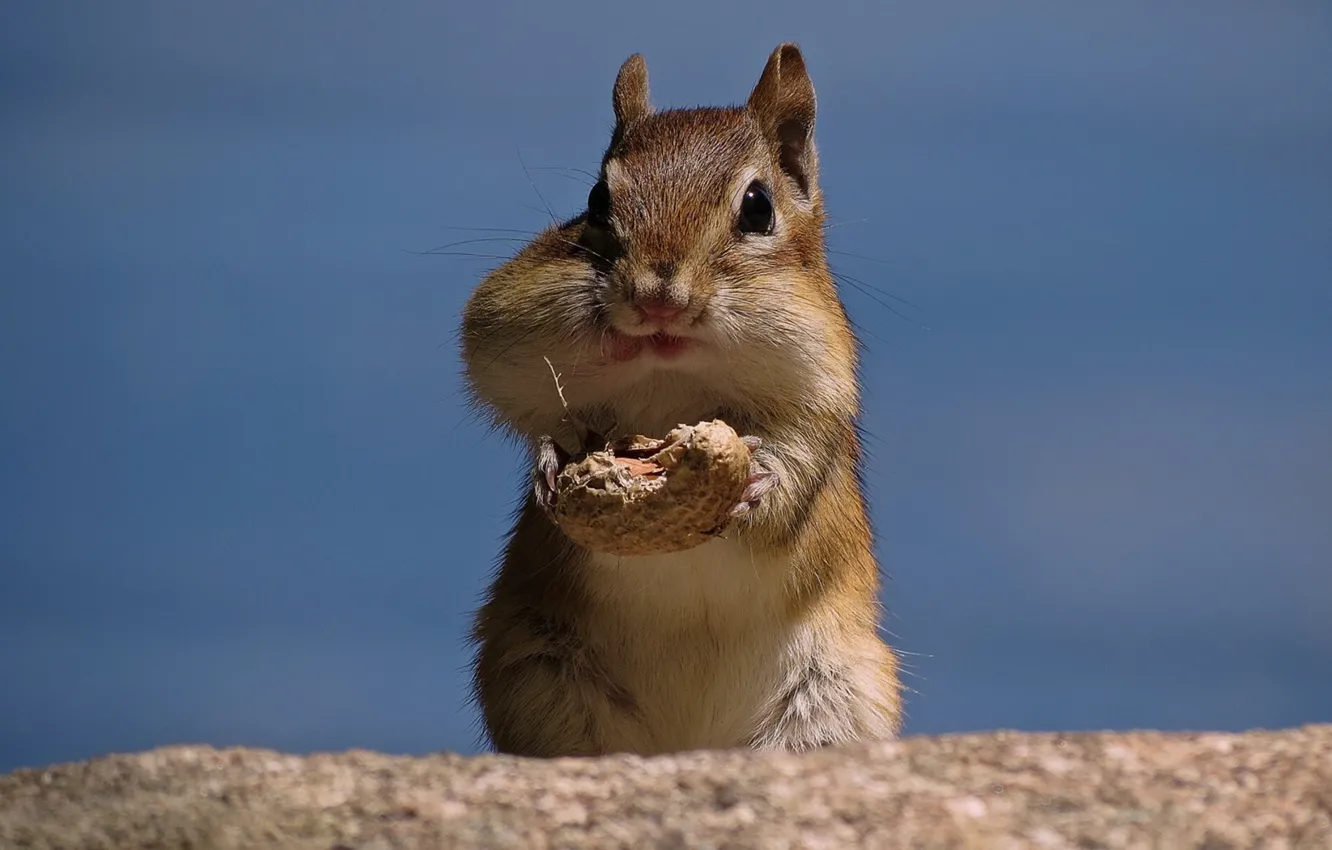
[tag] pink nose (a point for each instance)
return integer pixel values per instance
(656, 310)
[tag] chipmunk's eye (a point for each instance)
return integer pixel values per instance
(756, 210)
(599, 204)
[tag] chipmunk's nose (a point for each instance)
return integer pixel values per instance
(658, 310)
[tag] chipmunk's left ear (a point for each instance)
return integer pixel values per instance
(631, 98)
(783, 103)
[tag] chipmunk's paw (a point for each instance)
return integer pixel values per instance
(761, 481)
(550, 460)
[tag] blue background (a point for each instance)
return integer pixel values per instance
(242, 503)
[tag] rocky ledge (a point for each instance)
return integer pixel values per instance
(999, 790)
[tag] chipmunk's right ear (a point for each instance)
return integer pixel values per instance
(783, 103)
(631, 91)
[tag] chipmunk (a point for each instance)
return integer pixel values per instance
(694, 286)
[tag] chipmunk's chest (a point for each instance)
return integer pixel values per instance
(699, 638)
(723, 583)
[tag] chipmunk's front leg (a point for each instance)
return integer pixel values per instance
(789, 477)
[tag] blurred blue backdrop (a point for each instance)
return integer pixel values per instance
(242, 503)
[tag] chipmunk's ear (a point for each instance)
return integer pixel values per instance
(783, 104)
(630, 97)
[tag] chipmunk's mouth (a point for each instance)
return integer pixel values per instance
(621, 347)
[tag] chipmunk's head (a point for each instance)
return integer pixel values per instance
(699, 214)
(697, 271)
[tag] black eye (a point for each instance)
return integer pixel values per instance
(599, 204)
(756, 210)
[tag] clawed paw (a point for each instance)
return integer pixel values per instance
(761, 481)
(550, 460)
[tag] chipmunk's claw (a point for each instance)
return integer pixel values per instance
(550, 459)
(761, 481)
(760, 484)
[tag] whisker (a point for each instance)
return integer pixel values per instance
(577, 178)
(550, 212)
(899, 299)
(583, 171)
(547, 210)
(870, 295)
(491, 230)
(572, 244)
(474, 242)
(468, 254)
(863, 329)
(859, 257)
(829, 225)
(580, 181)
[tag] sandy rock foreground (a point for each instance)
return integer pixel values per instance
(1001, 790)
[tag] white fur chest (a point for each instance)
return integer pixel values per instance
(722, 580)
(700, 638)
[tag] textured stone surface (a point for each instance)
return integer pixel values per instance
(993, 791)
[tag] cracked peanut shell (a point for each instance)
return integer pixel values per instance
(645, 496)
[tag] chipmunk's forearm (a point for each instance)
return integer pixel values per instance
(813, 464)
